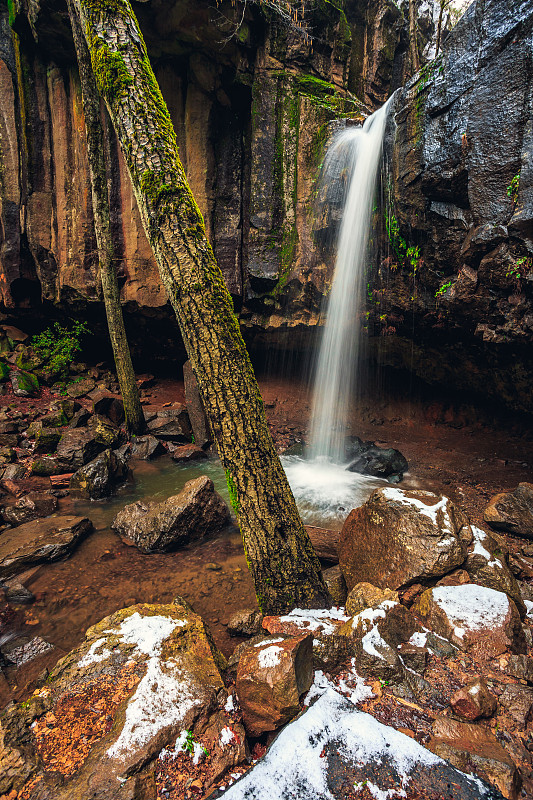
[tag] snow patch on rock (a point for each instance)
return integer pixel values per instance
(471, 607)
(161, 697)
(316, 619)
(428, 510)
(269, 657)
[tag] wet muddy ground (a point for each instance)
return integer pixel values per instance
(468, 463)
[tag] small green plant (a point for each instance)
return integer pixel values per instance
(189, 744)
(520, 267)
(443, 289)
(403, 252)
(58, 345)
(512, 189)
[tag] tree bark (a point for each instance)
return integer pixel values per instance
(443, 4)
(284, 566)
(413, 37)
(96, 149)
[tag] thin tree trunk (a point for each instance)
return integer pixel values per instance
(96, 149)
(413, 37)
(439, 26)
(284, 566)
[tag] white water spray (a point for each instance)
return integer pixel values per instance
(357, 151)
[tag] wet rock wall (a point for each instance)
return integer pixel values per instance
(458, 308)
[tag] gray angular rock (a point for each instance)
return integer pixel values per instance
(245, 623)
(147, 447)
(77, 447)
(195, 512)
(101, 476)
(171, 423)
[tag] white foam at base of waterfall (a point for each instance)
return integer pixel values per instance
(325, 492)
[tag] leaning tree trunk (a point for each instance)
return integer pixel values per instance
(284, 566)
(413, 36)
(96, 149)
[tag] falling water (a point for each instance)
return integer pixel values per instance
(357, 152)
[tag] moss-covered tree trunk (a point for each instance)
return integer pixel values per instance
(96, 149)
(413, 35)
(284, 566)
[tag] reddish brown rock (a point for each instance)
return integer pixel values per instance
(512, 511)
(188, 452)
(474, 700)
(472, 748)
(398, 537)
(474, 618)
(456, 578)
(330, 648)
(325, 543)
(271, 677)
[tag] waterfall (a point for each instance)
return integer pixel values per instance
(356, 154)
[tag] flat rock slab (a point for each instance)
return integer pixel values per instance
(398, 537)
(336, 751)
(40, 541)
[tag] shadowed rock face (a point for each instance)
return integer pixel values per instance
(462, 191)
(250, 103)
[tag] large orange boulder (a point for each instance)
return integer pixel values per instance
(399, 537)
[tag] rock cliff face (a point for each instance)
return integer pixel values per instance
(252, 97)
(460, 307)
(250, 94)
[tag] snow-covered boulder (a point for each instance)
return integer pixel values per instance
(334, 751)
(144, 679)
(474, 618)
